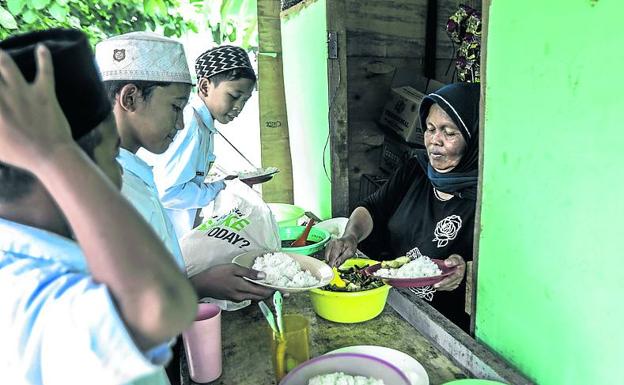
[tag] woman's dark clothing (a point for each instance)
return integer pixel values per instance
(407, 214)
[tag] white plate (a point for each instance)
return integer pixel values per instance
(258, 173)
(412, 368)
(335, 226)
(317, 268)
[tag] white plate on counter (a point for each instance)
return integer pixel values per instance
(412, 368)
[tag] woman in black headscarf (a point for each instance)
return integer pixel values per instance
(428, 205)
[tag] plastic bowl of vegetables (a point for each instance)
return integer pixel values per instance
(355, 297)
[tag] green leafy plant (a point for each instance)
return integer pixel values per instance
(229, 21)
(98, 18)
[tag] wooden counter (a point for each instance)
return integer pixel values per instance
(246, 343)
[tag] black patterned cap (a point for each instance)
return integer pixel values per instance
(78, 86)
(221, 59)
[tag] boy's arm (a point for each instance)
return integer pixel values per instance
(154, 298)
(175, 175)
(190, 195)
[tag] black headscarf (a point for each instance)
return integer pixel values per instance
(461, 102)
(77, 82)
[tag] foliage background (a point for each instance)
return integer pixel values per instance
(198, 24)
(228, 21)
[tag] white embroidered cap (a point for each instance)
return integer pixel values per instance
(142, 56)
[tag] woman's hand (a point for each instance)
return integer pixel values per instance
(32, 123)
(341, 249)
(452, 281)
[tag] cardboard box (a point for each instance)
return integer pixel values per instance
(401, 114)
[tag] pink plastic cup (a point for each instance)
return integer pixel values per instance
(202, 344)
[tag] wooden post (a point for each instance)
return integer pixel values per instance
(275, 148)
(338, 125)
(477, 229)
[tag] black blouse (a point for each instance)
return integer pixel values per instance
(408, 214)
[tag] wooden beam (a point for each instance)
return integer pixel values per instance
(472, 356)
(275, 148)
(338, 123)
(431, 38)
(477, 228)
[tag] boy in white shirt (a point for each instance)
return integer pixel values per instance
(225, 82)
(148, 82)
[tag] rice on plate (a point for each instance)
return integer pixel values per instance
(419, 267)
(282, 270)
(340, 378)
(257, 172)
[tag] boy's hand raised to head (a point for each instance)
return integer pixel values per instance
(32, 123)
(154, 299)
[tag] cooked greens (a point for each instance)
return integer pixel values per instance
(355, 280)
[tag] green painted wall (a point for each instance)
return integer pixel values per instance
(551, 261)
(304, 45)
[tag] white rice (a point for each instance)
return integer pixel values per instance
(282, 270)
(340, 378)
(417, 268)
(257, 172)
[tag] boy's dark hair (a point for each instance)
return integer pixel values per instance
(113, 87)
(15, 182)
(233, 74)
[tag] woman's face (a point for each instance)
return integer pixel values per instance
(443, 140)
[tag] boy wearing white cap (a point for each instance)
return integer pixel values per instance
(225, 82)
(148, 82)
(148, 112)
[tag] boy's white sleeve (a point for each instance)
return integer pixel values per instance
(191, 195)
(80, 334)
(179, 186)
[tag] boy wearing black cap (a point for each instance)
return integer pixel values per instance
(225, 82)
(102, 308)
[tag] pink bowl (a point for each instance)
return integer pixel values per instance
(414, 282)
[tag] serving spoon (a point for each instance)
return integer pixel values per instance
(301, 241)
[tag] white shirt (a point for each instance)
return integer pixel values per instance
(179, 173)
(57, 325)
(139, 188)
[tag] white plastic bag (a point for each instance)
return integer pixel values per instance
(239, 221)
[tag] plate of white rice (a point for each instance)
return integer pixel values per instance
(346, 368)
(419, 272)
(413, 369)
(259, 175)
(287, 272)
(340, 378)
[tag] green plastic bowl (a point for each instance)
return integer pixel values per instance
(290, 233)
(285, 214)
